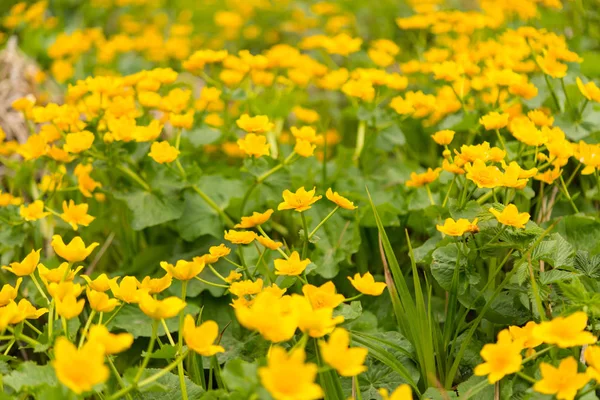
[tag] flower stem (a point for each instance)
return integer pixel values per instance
(211, 283)
(86, 328)
(213, 205)
(39, 288)
(166, 328)
(114, 314)
(305, 229)
(127, 171)
(360, 141)
(322, 222)
(180, 371)
(148, 352)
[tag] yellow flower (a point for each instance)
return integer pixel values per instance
(100, 302)
(540, 118)
(482, 175)
(62, 273)
(304, 148)
(79, 370)
(590, 91)
(201, 338)
(339, 200)
(26, 310)
(59, 290)
(565, 331)
(112, 343)
(443, 138)
(184, 270)
(324, 296)
(247, 287)
(240, 237)
(337, 353)
(161, 309)
(182, 120)
(271, 315)
(254, 145)
(255, 219)
(306, 115)
(402, 392)
(316, 323)
(233, 276)
(525, 335)
(27, 266)
(268, 242)
(287, 377)
(155, 285)
(69, 307)
(362, 89)
(459, 227)
(551, 66)
(524, 130)
(76, 214)
(563, 382)
(299, 201)
(501, 358)
(102, 282)
(305, 133)
(73, 252)
(510, 216)
(127, 290)
(9, 293)
(163, 152)
(494, 120)
(592, 359)
(366, 284)
(7, 314)
(293, 266)
(418, 180)
(33, 211)
(257, 124)
(78, 142)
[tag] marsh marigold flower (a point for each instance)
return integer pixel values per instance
(184, 270)
(402, 392)
(78, 142)
(316, 323)
(510, 216)
(255, 219)
(73, 252)
(494, 120)
(27, 266)
(69, 307)
(458, 228)
(340, 201)
(112, 343)
(201, 339)
(361, 89)
(501, 358)
(163, 152)
(288, 377)
(337, 353)
(161, 309)
(257, 124)
(101, 283)
(418, 180)
(156, 285)
(33, 211)
(293, 266)
(484, 176)
(79, 369)
(323, 296)
(268, 242)
(443, 138)
(589, 90)
(592, 359)
(9, 293)
(563, 382)
(76, 214)
(127, 290)
(565, 331)
(304, 148)
(299, 201)
(100, 302)
(63, 272)
(240, 237)
(254, 145)
(366, 284)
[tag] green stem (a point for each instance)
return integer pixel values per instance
(211, 283)
(564, 88)
(429, 195)
(180, 371)
(305, 229)
(148, 353)
(29, 324)
(360, 141)
(86, 328)
(568, 195)
(323, 221)
(168, 333)
(358, 296)
(114, 314)
(117, 375)
(39, 288)
(213, 205)
(448, 192)
(136, 178)
(526, 377)
(217, 273)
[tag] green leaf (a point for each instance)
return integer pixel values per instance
(201, 136)
(556, 251)
(149, 209)
(349, 311)
(240, 375)
(134, 321)
(556, 275)
(198, 219)
(476, 387)
(30, 375)
(582, 232)
(167, 387)
(433, 393)
(590, 266)
(443, 264)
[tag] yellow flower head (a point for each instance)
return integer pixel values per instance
(459, 227)
(78, 142)
(163, 152)
(245, 288)
(293, 266)
(255, 219)
(443, 138)
(112, 343)
(184, 270)
(510, 216)
(76, 214)
(592, 359)
(33, 211)
(100, 302)
(240, 237)
(257, 124)
(25, 310)
(340, 201)
(589, 90)
(484, 176)
(366, 284)
(304, 148)
(79, 369)
(305, 115)
(62, 273)
(305, 133)
(73, 252)
(299, 201)
(161, 309)
(274, 317)
(494, 120)
(337, 353)
(254, 145)
(27, 266)
(127, 290)
(565, 331)
(323, 296)
(287, 376)
(102, 282)
(233, 276)
(9, 293)
(501, 358)
(201, 339)
(418, 180)
(402, 392)
(69, 307)
(268, 242)
(525, 335)
(316, 323)
(155, 285)
(563, 382)
(59, 290)
(182, 120)
(362, 89)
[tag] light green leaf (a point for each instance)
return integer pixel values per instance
(30, 375)
(149, 209)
